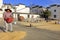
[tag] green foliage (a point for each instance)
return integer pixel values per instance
(47, 13)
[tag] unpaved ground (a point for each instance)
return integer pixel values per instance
(38, 31)
(44, 25)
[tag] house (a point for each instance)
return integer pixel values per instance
(18, 10)
(55, 11)
(1, 11)
(36, 9)
(28, 12)
(21, 10)
(1, 3)
(24, 11)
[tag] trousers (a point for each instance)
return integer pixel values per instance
(8, 26)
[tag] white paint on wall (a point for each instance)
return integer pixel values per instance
(1, 3)
(24, 10)
(34, 16)
(1, 15)
(57, 13)
(24, 15)
(20, 7)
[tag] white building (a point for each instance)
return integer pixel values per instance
(22, 10)
(1, 3)
(37, 10)
(55, 11)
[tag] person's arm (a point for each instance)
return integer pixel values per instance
(11, 15)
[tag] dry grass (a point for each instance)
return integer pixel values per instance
(44, 25)
(18, 35)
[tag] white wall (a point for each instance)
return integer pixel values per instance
(57, 13)
(1, 3)
(24, 15)
(1, 15)
(34, 16)
(24, 10)
(36, 10)
(20, 7)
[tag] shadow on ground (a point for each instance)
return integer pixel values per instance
(2, 28)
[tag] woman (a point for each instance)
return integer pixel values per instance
(7, 14)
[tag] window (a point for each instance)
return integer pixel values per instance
(54, 10)
(54, 16)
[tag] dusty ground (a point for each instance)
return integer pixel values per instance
(44, 25)
(39, 31)
(17, 35)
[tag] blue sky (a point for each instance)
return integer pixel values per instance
(34, 2)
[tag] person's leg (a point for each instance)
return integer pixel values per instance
(10, 27)
(6, 26)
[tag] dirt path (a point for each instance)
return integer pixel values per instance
(22, 32)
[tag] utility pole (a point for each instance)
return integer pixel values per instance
(15, 15)
(29, 14)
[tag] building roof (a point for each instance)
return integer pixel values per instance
(53, 6)
(6, 4)
(58, 5)
(41, 7)
(37, 6)
(48, 7)
(19, 4)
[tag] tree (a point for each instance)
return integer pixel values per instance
(46, 14)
